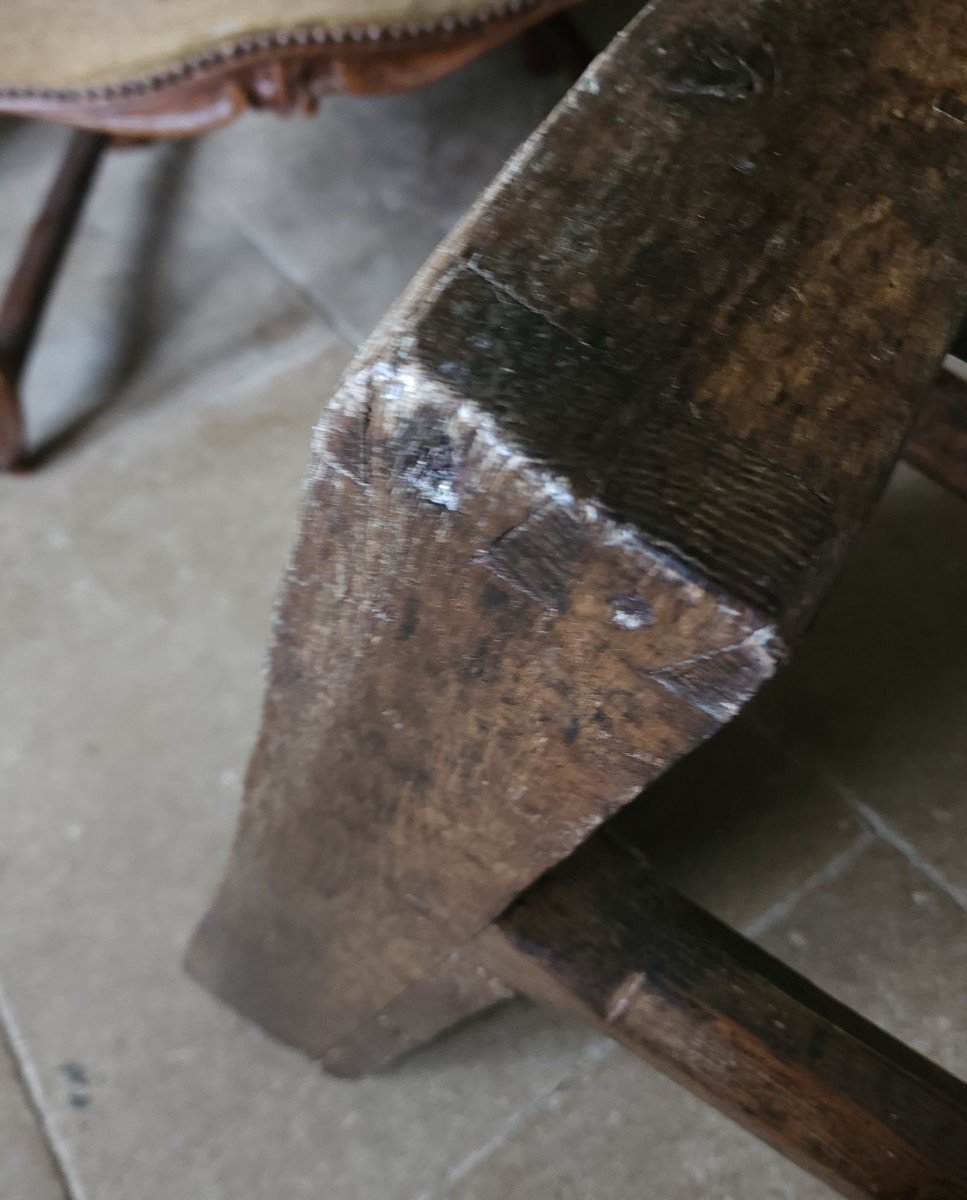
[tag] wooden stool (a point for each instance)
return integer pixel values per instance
(149, 69)
(571, 507)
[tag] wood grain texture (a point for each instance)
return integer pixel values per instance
(592, 475)
(601, 937)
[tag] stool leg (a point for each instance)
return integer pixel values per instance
(23, 306)
(453, 703)
(459, 988)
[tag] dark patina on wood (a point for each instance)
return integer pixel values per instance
(590, 479)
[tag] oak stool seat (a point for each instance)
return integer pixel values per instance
(572, 505)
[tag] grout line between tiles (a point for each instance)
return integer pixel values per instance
(30, 1086)
(599, 1050)
(825, 874)
(867, 814)
(250, 235)
(899, 843)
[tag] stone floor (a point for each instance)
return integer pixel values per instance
(211, 301)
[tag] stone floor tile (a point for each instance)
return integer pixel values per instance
(472, 122)
(622, 1132)
(876, 694)
(371, 183)
(157, 289)
(884, 940)
(740, 823)
(137, 583)
(27, 1171)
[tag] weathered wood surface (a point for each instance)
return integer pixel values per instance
(460, 987)
(601, 937)
(593, 474)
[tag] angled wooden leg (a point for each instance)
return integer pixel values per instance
(467, 679)
(29, 288)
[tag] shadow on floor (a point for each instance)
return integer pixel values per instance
(135, 299)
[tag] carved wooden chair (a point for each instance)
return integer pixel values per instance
(572, 505)
(149, 69)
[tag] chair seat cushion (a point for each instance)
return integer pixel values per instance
(78, 43)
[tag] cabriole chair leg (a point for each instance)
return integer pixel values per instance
(31, 283)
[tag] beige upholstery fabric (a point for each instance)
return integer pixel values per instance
(66, 43)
